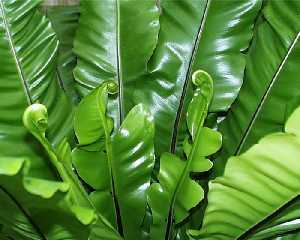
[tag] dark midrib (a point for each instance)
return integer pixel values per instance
(14, 53)
(187, 77)
(59, 80)
(170, 224)
(119, 70)
(27, 215)
(117, 210)
(121, 114)
(265, 96)
(251, 231)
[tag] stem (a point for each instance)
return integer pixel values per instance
(35, 119)
(78, 192)
(109, 151)
(182, 178)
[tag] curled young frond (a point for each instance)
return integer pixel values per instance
(203, 80)
(35, 119)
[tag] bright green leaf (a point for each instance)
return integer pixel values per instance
(256, 186)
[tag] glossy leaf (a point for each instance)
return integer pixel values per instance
(271, 80)
(176, 193)
(194, 34)
(292, 236)
(64, 20)
(256, 186)
(114, 41)
(27, 75)
(91, 121)
(118, 167)
(133, 152)
(270, 83)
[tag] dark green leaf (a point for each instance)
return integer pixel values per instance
(27, 75)
(291, 236)
(271, 80)
(64, 20)
(195, 34)
(114, 41)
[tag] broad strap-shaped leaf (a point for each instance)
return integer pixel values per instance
(271, 80)
(195, 34)
(118, 167)
(28, 49)
(64, 20)
(35, 119)
(256, 186)
(133, 151)
(114, 41)
(287, 219)
(176, 193)
(25, 201)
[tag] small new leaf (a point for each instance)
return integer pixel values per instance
(179, 191)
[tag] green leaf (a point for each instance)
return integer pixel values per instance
(162, 194)
(270, 82)
(35, 120)
(25, 201)
(91, 121)
(291, 236)
(27, 75)
(64, 20)
(176, 193)
(114, 41)
(120, 169)
(286, 220)
(133, 154)
(194, 34)
(256, 187)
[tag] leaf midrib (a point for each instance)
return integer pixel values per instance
(68, 176)
(119, 70)
(247, 233)
(187, 167)
(265, 96)
(113, 187)
(25, 213)
(14, 53)
(187, 77)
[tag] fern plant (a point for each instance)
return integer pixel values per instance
(117, 118)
